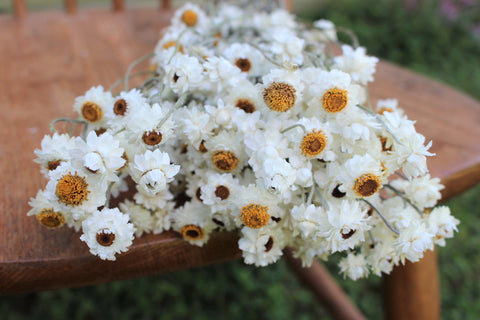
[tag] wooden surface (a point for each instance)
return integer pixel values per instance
(48, 59)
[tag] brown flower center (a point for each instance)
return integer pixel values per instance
(198, 194)
(367, 185)
(335, 100)
(269, 244)
(279, 96)
(383, 141)
(120, 107)
(222, 192)
(246, 105)
(348, 235)
(313, 143)
(202, 147)
(175, 78)
(337, 193)
(72, 190)
(105, 238)
(152, 138)
(254, 216)
(190, 18)
(100, 131)
(192, 232)
(52, 165)
(224, 160)
(91, 111)
(50, 218)
(243, 64)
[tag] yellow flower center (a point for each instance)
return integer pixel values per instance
(222, 192)
(91, 111)
(367, 185)
(72, 190)
(313, 143)
(224, 161)
(246, 105)
(279, 96)
(384, 109)
(192, 232)
(243, 64)
(190, 18)
(120, 107)
(335, 100)
(152, 138)
(105, 238)
(50, 218)
(254, 216)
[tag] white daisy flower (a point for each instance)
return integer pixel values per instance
(152, 171)
(356, 63)
(193, 222)
(95, 107)
(246, 58)
(126, 105)
(423, 191)
(354, 266)
(412, 242)
(107, 233)
(54, 150)
(261, 247)
(101, 155)
(46, 214)
(442, 224)
(182, 73)
(141, 217)
(73, 190)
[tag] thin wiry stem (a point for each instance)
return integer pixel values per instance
(401, 175)
(180, 102)
(389, 226)
(116, 83)
(75, 121)
(131, 66)
(351, 34)
(107, 195)
(381, 122)
(293, 127)
(402, 195)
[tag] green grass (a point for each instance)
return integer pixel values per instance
(420, 40)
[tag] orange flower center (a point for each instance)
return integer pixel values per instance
(91, 111)
(105, 238)
(190, 18)
(192, 232)
(313, 143)
(335, 100)
(279, 96)
(51, 219)
(224, 160)
(72, 190)
(254, 216)
(367, 185)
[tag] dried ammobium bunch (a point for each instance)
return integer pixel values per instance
(247, 123)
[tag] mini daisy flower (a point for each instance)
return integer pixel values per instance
(244, 96)
(413, 242)
(152, 171)
(95, 107)
(107, 233)
(442, 224)
(354, 266)
(388, 105)
(246, 58)
(151, 126)
(282, 89)
(221, 73)
(194, 124)
(73, 190)
(125, 105)
(55, 150)
(261, 247)
(225, 150)
(305, 220)
(193, 222)
(423, 191)
(344, 225)
(218, 190)
(46, 214)
(359, 176)
(256, 208)
(190, 16)
(332, 92)
(182, 73)
(101, 155)
(141, 217)
(153, 202)
(329, 33)
(356, 63)
(286, 46)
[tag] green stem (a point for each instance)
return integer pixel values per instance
(75, 121)
(402, 195)
(116, 83)
(293, 127)
(389, 226)
(132, 65)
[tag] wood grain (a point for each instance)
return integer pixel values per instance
(49, 58)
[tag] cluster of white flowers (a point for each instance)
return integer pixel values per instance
(248, 122)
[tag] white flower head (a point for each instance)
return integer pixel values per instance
(354, 266)
(95, 107)
(261, 247)
(55, 150)
(152, 171)
(356, 63)
(107, 233)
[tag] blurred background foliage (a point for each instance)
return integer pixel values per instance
(438, 38)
